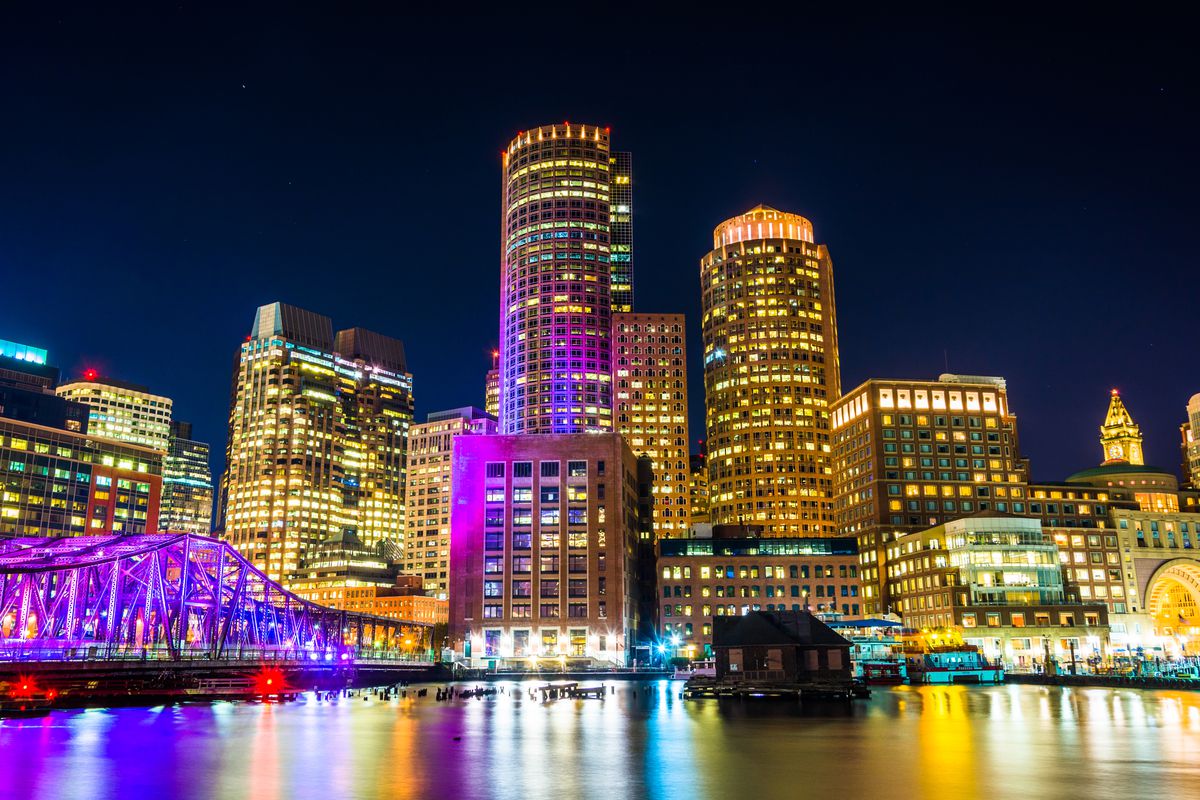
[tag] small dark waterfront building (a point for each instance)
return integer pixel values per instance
(782, 646)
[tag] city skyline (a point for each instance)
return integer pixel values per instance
(221, 225)
(411, 402)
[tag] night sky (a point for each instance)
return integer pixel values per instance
(1016, 197)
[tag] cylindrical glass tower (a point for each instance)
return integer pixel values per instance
(770, 374)
(555, 313)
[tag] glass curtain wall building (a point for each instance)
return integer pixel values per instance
(187, 483)
(622, 231)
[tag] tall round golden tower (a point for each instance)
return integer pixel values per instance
(770, 374)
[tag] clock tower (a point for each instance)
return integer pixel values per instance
(1120, 437)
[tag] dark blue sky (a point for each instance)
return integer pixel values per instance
(1019, 196)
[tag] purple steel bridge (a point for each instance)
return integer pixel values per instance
(175, 597)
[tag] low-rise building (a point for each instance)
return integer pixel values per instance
(342, 563)
(401, 603)
(700, 580)
(999, 579)
(780, 647)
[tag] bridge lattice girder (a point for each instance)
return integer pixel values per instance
(190, 594)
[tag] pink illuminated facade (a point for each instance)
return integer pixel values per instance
(543, 549)
(555, 290)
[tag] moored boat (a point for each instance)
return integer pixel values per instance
(883, 672)
(941, 657)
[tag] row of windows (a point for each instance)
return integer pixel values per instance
(684, 571)
(546, 469)
(522, 565)
(795, 590)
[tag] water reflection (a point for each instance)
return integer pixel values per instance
(641, 741)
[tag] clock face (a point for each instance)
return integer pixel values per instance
(1114, 451)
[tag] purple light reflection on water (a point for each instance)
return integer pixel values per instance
(995, 742)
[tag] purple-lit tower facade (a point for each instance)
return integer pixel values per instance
(555, 290)
(547, 517)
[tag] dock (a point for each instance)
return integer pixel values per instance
(700, 688)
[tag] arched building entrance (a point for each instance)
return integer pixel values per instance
(1173, 600)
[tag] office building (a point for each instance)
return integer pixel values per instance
(621, 233)
(129, 412)
(404, 603)
(491, 389)
(126, 412)
(187, 501)
(698, 489)
(317, 431)
(425, 550)
(27, 385)
(346, 574)
(650, 385)
(703, 578)
(770, 373)
(55, 478)
(555, 301)
(544, 549)
(376, 390)
(998, 578)
(910, 455)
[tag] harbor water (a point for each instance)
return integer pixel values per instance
(641, 740)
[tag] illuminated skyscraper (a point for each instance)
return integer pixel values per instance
(376, 391)
(426, 545)
(123, 411)
(1120, 436)
(317, 430)
(187, 495)
(770, 374)
(622, 231)
(555, 303)
(650, 383)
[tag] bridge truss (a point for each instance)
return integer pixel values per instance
(179, 596)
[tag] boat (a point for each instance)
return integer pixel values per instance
(940, 657)
(704, 668)
(875, 650)
(881, 672)
(24, 707)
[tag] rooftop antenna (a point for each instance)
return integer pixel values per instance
(946, 358)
